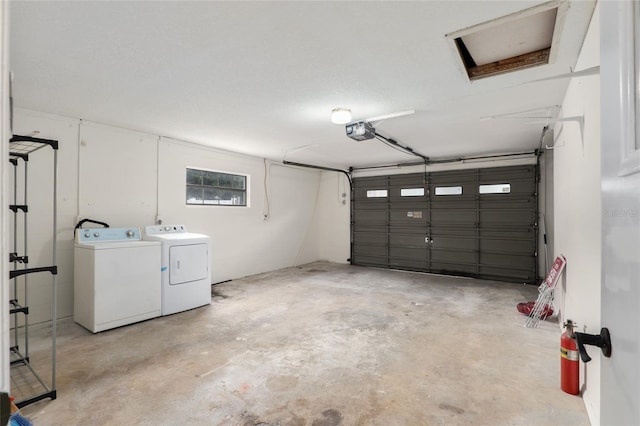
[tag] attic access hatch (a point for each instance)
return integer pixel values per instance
(521, 40)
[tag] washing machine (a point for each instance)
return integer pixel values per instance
(185, 266)
(116, 278)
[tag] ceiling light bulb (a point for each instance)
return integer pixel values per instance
(341, 116)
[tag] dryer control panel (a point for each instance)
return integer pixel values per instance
(164, 229)
(92, 235)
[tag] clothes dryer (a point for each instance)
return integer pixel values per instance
(185, 267)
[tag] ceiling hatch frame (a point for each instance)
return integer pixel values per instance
(509, 63)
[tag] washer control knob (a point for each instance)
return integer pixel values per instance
(87, 234)
(167, 228)
(130, 233)
(96, 234)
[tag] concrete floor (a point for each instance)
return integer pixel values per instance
(320, 345)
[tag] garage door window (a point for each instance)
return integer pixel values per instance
(376, 193)
(412, 192)
(498, 188)
(206, 187)
(448, 190)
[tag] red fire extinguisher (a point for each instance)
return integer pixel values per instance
(569, 361)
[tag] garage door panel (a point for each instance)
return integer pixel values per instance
(413, 240)
(490, 236)
(449, 204)
(508, 173)
(409, 205)
(518, 191)
(501, 231)
(420, 229)
(370, 182)
(507, 246)
(465, 230)
(362, 186)
(507, 274)
(361, 195)
(398, 200)
(365, 206)
(412, 181)
(373, 228)
(369, 216)
(506, 217)
(506, 260)
(468, 194)
(407, 179)
(451, 242)
(415, 253)
(454, 256)
(499, 203)
(409, 217)
(452, 177)
(410, 265)
(370, 238)
(453, 268)
(377, 261)
(448, 217)
(370, 249)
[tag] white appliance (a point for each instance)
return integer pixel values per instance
(186, 267)
(116, 278)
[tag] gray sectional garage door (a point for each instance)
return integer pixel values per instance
(480, 223)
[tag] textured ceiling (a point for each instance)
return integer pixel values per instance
(261, 78)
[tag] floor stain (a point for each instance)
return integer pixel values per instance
(452, 408)
(296, 421)
(330, 417)
(216, 293)
(253, 420)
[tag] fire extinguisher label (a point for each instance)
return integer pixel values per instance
(569, 354)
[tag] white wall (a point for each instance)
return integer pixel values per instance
(577, 208)
(117, 175)
(129, 178)
(244, 242)
(329, 236)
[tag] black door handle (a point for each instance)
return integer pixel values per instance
(602, 340)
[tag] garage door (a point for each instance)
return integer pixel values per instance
(480, 223)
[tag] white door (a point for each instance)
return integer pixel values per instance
(620, 374)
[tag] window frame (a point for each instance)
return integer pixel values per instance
(220, 172)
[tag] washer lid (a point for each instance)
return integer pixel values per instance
(111, 245)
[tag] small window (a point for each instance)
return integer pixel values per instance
(376, 193)
(215, 188)
(412, 192)
(499, 188)
(448, 190)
